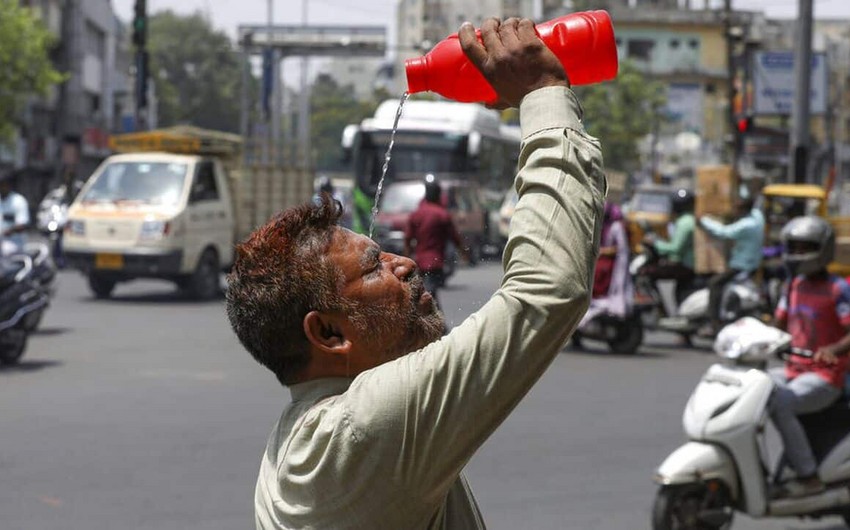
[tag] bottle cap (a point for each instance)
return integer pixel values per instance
(417, 74)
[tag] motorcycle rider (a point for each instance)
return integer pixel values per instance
(677, 253)
(15, 212)
(747, 236)
(815, 310)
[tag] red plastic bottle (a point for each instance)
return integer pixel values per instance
(583, 42)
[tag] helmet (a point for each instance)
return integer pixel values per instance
(432, 189)
(683, 201)
(813, 242)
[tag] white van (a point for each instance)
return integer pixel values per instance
(153, 215)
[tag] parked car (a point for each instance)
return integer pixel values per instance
(401, 198)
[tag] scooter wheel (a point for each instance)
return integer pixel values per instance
(691, 507)
(12, 346)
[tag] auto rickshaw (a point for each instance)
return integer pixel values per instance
(650, 205)
(783, 202)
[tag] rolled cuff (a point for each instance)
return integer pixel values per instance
(549, 108)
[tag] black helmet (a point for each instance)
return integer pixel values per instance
(683, 201)
(432, 189)
(814, 242)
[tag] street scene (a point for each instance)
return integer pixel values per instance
(651, 331)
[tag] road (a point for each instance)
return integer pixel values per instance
(143, 412)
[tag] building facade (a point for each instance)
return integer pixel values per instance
(66, 132)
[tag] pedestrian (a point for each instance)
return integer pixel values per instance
(613, 290)
(384, 416)
(429, 230)
(815, 310)
(747, 236)
(15, 212)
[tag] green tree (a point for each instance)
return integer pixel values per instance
(25, 67)
(332, 108)
(620, 112)
(196, 71)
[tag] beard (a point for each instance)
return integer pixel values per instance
(397, 331)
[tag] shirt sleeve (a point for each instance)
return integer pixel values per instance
(426, 413)
(730, 231)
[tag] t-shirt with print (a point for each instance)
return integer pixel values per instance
(817, 315)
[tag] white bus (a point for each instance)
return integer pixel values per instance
(462, 141)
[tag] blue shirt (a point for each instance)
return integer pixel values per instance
(747, 233)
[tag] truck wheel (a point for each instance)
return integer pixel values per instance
(101, 286)
(203, 284)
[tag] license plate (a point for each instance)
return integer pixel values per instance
(109, 261)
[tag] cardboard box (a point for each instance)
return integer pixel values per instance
(716, 190)
(709, 253)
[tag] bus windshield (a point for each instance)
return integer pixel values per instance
(414, 155)
(159, 183)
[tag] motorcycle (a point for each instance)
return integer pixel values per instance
(723, 469)
(42, 277)
(20, 299)
(741, 297)
(51, 218)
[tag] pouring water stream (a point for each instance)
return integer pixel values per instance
(387, 157)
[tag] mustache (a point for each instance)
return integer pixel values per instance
(417, 285)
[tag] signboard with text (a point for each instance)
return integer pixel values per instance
(773, 83)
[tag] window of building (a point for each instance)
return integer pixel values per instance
(674, 44)
(640, 49)
(94, 41)
(693, 43)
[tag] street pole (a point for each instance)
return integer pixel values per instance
(731, 91)
(304, 110)
(799, 155)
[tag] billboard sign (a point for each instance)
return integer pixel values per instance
(773, 83)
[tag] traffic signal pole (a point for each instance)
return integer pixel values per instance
(800, 113)
(140, 37)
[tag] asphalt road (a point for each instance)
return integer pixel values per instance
(143, 412)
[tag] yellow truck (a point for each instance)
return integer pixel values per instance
(171, 204)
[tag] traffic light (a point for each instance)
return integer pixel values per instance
(140, 24)
(745, 124)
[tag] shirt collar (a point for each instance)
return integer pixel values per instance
(319, 388)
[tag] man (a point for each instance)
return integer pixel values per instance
(677, 253)
(431, 227)
(16, 216)
(815, 310)
(384, 416)
(747, 236)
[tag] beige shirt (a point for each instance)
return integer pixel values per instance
(386, 449)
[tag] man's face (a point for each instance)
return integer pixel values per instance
(392, 314)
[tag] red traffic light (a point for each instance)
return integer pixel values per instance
(745, 124)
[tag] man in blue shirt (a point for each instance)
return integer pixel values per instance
(747, 236)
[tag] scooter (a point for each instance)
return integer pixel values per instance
(741, 297)
(42, 277)
(19, 300)
(723, 469)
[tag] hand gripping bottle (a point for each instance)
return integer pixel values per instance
(583, 42)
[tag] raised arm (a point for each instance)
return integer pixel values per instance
(435, 407)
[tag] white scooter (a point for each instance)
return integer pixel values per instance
(741, 297)
(724, 467)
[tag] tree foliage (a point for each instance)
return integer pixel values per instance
(25, 67)
(332, 108)
(620, 113)
(196, 71)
